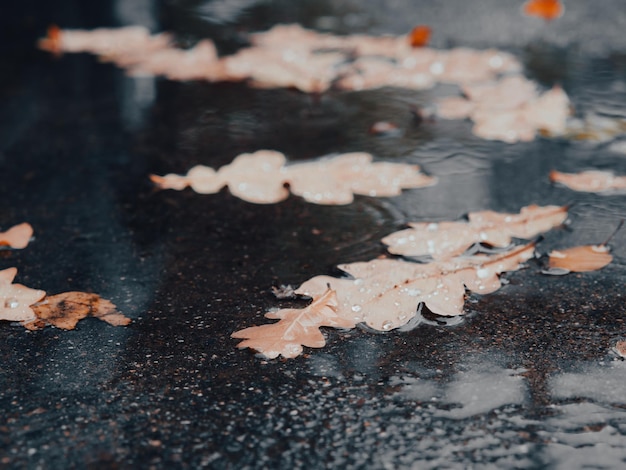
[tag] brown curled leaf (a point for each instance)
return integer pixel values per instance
(17, 237)
(581, 258)
(67, 309)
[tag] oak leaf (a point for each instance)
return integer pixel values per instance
(16, 299)
(67, 309)
(17, 236)
(382, 293)
(296, 328)
(447, 239)
(580, 258)
(603, 182)
(335, 180)
(124, 42)
(385, 293)
(261, 177)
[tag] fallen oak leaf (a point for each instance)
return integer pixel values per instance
(261, 177)
(593, 181)
(17, 237)
(110, 43)
(335, 180)
(16, 299)
(580, 259)
(447, 239)
(385, 293)
(256, 177)
(295, 328)
(67, 309)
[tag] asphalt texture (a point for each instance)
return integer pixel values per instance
(528, 379)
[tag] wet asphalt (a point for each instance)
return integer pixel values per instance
(527, 380)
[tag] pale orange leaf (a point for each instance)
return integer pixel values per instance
(16, 299)
(295, 328)
(17, 236)
(590, 181)
(447, 239)
(261, 177)
(581, 258)
(385, 293)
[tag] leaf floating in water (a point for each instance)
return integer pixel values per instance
(447, 239)
(67, 309)
(419, 36)
(335, 180)
(382, 293)
(261, 177)
(581, 258)
(547, 9)
(603, 182)
(17, 237)
(289, 56)
(109, 43)
(510, 110)
(16, 299)
(296, 328)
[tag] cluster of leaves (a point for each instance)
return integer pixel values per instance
(508, 109)
(34, 309)
(385, 294)
(290, 56)
(261, 177)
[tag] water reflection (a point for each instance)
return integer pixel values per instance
(137, 94)
(481, 384)
(223, 11)
(602, 382)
